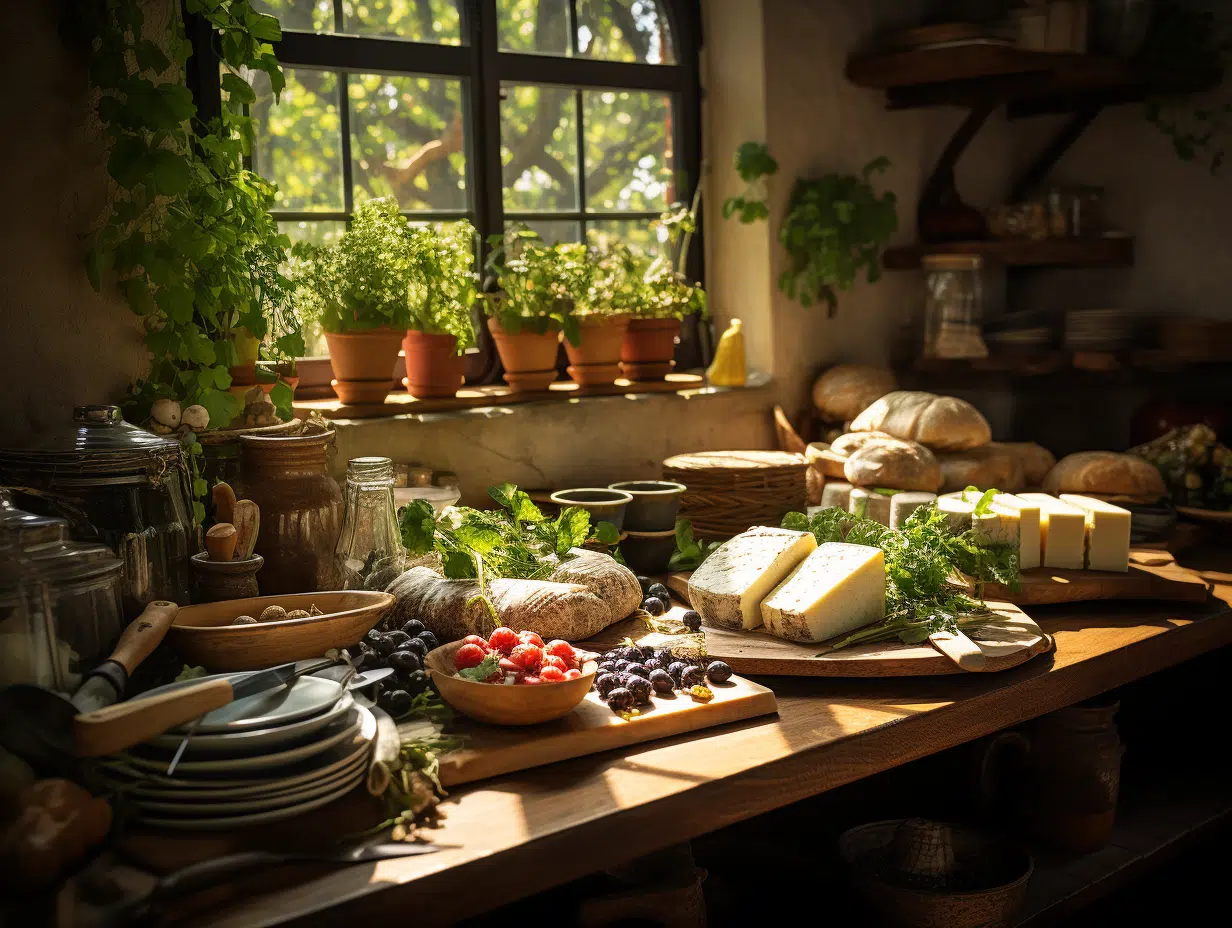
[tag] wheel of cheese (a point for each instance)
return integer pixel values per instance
(943, 423)
(1106, 474)
(845, 390)
(990, 467)
(894, 465)
(1036, 460)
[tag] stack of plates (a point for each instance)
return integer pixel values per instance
(1098, 330)
(260, 759)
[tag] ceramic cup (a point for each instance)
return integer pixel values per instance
(648, 552)
(655, 504)
(604, 505)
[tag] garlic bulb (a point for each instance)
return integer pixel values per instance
(196, 417)
(166, 412)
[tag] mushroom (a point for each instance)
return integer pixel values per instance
(166, 412)
(196, 417)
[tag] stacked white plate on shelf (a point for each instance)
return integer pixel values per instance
(260, 759)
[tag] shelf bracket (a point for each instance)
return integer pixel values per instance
(1064, 140)
(941, 190)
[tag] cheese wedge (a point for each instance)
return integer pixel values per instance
(727, 589)
(1063, 531)
(835, 495)
(1028, 527)
(904, 505)
(836, 589)
(1108, 530)
(1000, 525)
(869, 504)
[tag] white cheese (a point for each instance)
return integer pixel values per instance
(835, 495)
(1000, 525)
(1028, 527)
(1063, 531)
(836, 589)
(869, 504)
(727, 589)
(1108, 530)
(903, 505)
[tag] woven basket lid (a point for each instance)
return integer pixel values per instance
(735, 460)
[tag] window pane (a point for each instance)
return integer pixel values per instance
(299, 139)
(407, 140)
(323, 232)
(636, 233)
(539, 147)
(550, 230)
(628, 150)
(539, 27)
(415, 20)
(299, 15)
(624, 30)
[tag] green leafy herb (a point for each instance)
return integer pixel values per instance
(481, 671)
(540, 285)
(753, 163)
(606, 533)
(983, 505)
(417, 524)
(690, 552)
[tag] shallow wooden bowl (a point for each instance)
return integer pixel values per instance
(204, 634)
(505, 705)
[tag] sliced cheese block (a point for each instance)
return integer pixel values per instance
(727, 589)
(836, 495)
(904, 505)
(836, 589)
(1108, 529)
(1028, 527)
(1063, 531)
(1000, 525)
(869, 504)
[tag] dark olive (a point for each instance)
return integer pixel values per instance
(659, 590)
(396, 702)
(639, 670)
(653, 605)
(664, 657)
(655, 664)
(676, 670)
(645, 583)
(718, 672)
(372, 637)
(401, 638)
(417, 645)
(413, 627)
(429, 639)
(662, 681)
(406, 660)
(632, 654)
(692, 621)
(694, 676)
(620, 699)
(641, 690)
(622, 665)
(605, 683)
(387, 645)
(416, 682)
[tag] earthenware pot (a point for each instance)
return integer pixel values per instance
(526, 356)
(433, 366)
(604, 505)
(596, 357)
(648, 348)
(654, 506)
(365, 359)
(221, 580)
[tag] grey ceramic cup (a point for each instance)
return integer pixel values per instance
(604, 505)
(654, 506)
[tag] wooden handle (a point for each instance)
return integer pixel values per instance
(117, 727)
(247, 527)
(144, 634)
(960, 649)
(224, 502)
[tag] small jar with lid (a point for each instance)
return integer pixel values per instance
(369, 553)
(954, 307)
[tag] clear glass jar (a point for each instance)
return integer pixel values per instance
(369, 553)
(954, 307)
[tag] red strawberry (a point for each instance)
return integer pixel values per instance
(573, 674)
(469, 655)
(551, 675)
(527, 679)
(503, 639)
(527, 656)
(563, 650)
(530, 638)
(509, 666)
(476, 640)
(551, 660)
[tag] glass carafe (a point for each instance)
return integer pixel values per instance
(369, 553)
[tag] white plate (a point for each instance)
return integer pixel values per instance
(244, 821)
(261, 803)
(239, 743)
(282, 705)
(350, 729)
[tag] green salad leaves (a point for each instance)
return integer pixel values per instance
(690, 551)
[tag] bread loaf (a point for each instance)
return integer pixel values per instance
(842, 393)
(894, 465)
(613, 583)
(822, 458)
(943, 423)
(1106, 474)
(1036, 460)
(992, 466)
(849, 444)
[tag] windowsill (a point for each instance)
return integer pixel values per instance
(496, 400)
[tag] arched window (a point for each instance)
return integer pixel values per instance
(579, 118)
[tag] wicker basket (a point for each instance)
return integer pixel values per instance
(730, 491)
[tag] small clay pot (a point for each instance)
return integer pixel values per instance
(648, 552)
(647, 342)
(367, 356)
(433, 368)
(649, 372)
(604, 505)
(596, 356)
(594, 375)
(525, 352)
(655, 504)
(361, 392)
(221, 580)
(530, 381)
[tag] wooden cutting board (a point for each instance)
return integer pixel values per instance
(492, 750)
(1012, 640)
(1152, 574)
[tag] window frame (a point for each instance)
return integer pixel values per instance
(483, 68)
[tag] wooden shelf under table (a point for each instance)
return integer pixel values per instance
(522, 833)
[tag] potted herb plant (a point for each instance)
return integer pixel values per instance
(538, 286)
(615, 292)
(442, 295)
(359, 291)
(666, 299)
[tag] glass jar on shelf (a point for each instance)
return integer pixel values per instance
(954, 307)
(369, 552)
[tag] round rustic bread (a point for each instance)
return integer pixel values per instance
(845, 390)
(894, 465)
(992, 466)
(943, 423)
(847, 445)
(1036, 460)
(1106, 473)
(822, 460)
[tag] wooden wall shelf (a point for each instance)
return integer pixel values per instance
(1053, 252)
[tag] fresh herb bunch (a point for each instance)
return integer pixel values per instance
(514, 540)
(619, 286)
(753, 163)
(188, 238)
(690, 551)
(443, 282)
(362, 282)
(924, 561)
(540, 285)
(671, 295)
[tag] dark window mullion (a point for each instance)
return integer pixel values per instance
(369, 54)
(344, 122)
(338, 15)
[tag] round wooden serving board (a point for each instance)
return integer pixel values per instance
(1152, 574)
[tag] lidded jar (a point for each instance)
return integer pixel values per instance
(369, 553)
(954, 307)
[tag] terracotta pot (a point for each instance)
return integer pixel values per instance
(648, 348)
(301, 509)
(432, 367)
(525, 353)
(367, 355)
(593, 375)
(530, 381)
(247, 348)
(600, 340)
(361, 392)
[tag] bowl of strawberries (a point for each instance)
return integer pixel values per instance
(510, 677)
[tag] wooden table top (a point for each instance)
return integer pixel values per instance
(522, 833)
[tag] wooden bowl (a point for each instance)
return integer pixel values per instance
(204, 634)
(505, 705)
